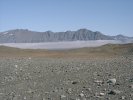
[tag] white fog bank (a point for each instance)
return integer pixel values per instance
(64, 45)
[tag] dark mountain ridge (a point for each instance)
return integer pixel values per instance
(26, 36)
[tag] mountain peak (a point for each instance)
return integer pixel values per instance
(83, 29)
(20, 30)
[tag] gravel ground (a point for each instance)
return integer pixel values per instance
(66, 78)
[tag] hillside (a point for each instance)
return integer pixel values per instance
(26, 36)
(105, 50)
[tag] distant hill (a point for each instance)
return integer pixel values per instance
(26, 36)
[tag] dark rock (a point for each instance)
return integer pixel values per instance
(74, 82)
(114, 92)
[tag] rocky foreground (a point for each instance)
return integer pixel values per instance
(41, 78)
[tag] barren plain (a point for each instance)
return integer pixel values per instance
(98, 73)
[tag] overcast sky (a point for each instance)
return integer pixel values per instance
(110, 17)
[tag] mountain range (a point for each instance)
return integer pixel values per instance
(27, 36)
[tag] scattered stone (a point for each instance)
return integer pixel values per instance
(78, 87)
(101, 94)
(131, 86)
(88, 89)
(1, 93)
(84, 99)
(112, 81)
(131, 94)
(24, 97)
(74, 82)
(56, 89)
(73, 99)
(16, 66)
(81, 95)
(114, 92)
(77, 99)
(2, 82)
(104, 89)
(98, 81)
(30, 91)
(98, 96)
(69, 91)
(46, 92)
(29, 58)
(123, 97)
(62, 96)
(15, 98)
(43, 99)
(131, 80)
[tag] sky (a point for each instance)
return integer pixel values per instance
(111, 17)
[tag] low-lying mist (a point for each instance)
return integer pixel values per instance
(65, 44)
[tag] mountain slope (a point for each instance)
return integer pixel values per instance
(26, 36)
(102, 51)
